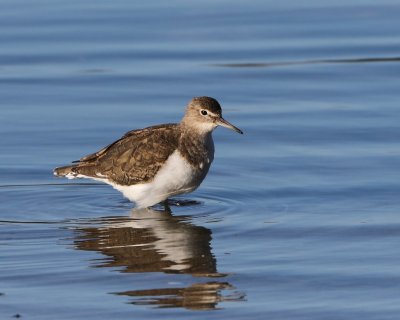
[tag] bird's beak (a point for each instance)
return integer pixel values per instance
(222, 122)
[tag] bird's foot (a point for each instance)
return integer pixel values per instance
(182, 203)
(165, 205)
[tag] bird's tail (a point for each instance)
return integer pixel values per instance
(63, 171)
(75, 171)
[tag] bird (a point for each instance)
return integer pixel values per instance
(152, 164)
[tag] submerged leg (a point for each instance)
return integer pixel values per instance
(166, 206)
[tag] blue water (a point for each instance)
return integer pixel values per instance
(299, 218)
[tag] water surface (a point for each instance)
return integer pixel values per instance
(297, 219)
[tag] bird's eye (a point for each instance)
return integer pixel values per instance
(203, 112)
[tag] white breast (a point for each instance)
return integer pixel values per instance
(175, 177)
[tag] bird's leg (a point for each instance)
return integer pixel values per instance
(166, 206)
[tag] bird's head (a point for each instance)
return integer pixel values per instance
(205, 114)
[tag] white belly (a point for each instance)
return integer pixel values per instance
(175, 177)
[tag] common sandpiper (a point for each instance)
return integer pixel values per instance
(152, 164)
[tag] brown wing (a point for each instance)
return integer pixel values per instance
(136, 157)
(138, 132)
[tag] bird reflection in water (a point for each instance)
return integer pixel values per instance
(155, 241)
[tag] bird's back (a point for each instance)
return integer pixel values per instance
(134, 158)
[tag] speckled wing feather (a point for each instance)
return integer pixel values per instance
(133, 159)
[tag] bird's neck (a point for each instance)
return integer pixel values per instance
(196, 145)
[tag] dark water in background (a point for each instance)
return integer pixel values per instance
(298, 219)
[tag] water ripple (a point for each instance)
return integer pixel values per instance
(305, 62)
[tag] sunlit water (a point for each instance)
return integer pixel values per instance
(299, 218)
